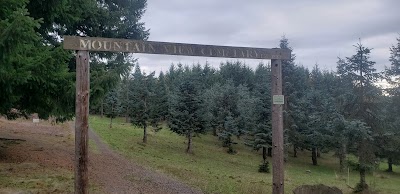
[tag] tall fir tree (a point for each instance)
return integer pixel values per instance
(311, 115)
(390, 149)
(142, 92)
(160, 99)
(223, 115)
(185, 111)
(112, 105)
(361, 104)
(260, 136)
(294, 81)
(124, 95)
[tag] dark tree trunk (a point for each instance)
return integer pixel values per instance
(363, 184)
(102, 109)
(127, 109)
(126, 116)
(295, 151)
(111, 117)
(230, 148)
(144, 133)
(314, 156)
(362, 160)
(270, 152)
(189, 145)
(264, 151)
(342, 157)
(390, 165)
(144, 123)
(215, 132)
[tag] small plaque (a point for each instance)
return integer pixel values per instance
(36, 120)
(278, 99)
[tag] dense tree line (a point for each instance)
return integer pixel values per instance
(342, 111)
(37, 75)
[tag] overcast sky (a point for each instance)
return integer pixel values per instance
(318, 31)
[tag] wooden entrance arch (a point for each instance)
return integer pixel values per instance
(85, 44)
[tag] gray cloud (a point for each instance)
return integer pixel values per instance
(319, 31)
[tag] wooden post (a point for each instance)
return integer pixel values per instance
(81, 122)
(277, 129)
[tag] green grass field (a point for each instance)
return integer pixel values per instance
(213, 170)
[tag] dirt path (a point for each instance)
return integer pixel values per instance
(53, 146)
(118, 175)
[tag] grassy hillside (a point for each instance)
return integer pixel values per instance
(214, 171)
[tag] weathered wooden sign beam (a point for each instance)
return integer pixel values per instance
(85, 44)
(166, 48)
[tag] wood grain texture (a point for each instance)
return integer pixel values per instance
(82, 122)
(277, 130)
(166, 48)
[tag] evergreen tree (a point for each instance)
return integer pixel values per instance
(174, 76)
(112, 105)
(393, 71)
(260, 136)
(389, 142)
(243, 122)
(229, 112)
(105, 76)
(142, 92)
(222, 112)
(94, 18)
(185, 111)
(336, 90)
(339, 132)
(124, 96)
(211, 112)
(314, 112)
(238, 73)
(38, 73)
(295, 90)
(209, 76)
(160, 99)
(390, 148)
(294, 81)
(230, 129)
(361, 104)
(34, 77)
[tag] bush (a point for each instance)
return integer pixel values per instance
(356, 166)
(264, 167)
